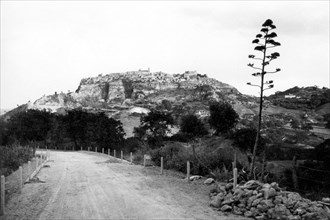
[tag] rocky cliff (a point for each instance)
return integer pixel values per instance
(105, 91)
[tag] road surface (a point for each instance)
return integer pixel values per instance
(87, 185)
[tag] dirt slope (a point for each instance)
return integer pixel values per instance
(81, 185)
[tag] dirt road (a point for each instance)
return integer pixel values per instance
(86, 185)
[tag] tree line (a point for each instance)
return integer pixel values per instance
(74, 129)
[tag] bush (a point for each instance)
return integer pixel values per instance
(12, 157)
(222, 117)
(174, 154)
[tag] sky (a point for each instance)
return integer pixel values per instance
(49, 46)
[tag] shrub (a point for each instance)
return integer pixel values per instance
(12, 157)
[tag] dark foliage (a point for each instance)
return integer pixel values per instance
(154, 127)
(222, 117)
(244, 139)
(32, 125)
(192, 125)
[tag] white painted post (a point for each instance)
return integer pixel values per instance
(114, 153)
(121, 155)
(235, 178)
(161, 165)
(20, 179)
(109, 151)
(29, 168)
(131, 157)
(102, 150)
(95, 149)
(144, 160)
(81, 148)
(188, 171)
(36, 163)
(2, 195)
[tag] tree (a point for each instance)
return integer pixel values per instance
(32, 125)
(222, 117)
(264, 40)
(192, 125)
(244, 139)
(154, 127)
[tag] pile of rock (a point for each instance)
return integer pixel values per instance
(266, 201)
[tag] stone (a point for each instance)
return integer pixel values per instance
(256, 202)
(250, 200)
(264, 205)
(216, 201)
(254, 211)
(260, 217)
(229, 186)
(309, 216)
(294, 217)
(279, 212)
(196, 177)
(248, 214)
(209, 181)
(299, 211)
(226, 208)
(228, 201)
(222, 188)
(252, 184)
(268, 192)
(236, 210)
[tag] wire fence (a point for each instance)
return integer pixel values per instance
(13, 183)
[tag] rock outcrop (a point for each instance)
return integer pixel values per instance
(266, 201)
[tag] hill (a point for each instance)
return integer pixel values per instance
(304, 98)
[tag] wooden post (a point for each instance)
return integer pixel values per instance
(294, 173)
(114, 153)
(36, 163)
(102, 150)
(88, 148)
(20, 179)
(29, 168)
(2, 195)
(161, 165)
(235, 178)
(81, 148)
(188, 171)
(121, 155)
(131, 157)
(144, 160)
(95, 149)
(109, 151)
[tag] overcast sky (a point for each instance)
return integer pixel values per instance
(50, 46)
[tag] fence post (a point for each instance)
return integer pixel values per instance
(235, 177)
(188, 171)
(29, 168)
(81, 148)
(131, 157)
(2, 195)
(294, 173)
(121, 156)
(20, 179)
(36, 163)
(109, 151)
(114, 153)
(95, 149)
(88, 149)
(102, 150)
(161, 165)
(144, 160)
